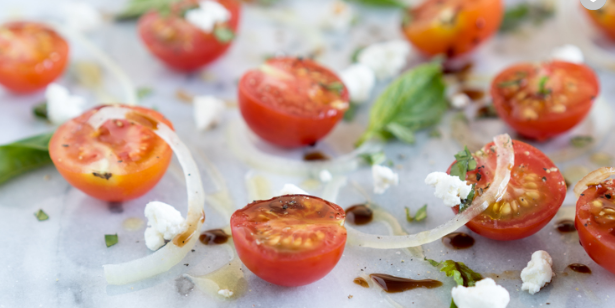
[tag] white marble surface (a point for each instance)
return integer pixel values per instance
(58, 263)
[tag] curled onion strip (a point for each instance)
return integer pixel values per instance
(171, 254)
(505, 162)
(594, 177)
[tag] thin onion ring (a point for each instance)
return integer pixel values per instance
(505, 162)
(171, 254)
(595, 177)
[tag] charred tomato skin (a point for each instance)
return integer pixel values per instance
(452, 27)
(135, 159)
(32, 55)
(569, 92)
(535, 193)
(289, 267)
(290, 117)
(596, 236)
(181, 45)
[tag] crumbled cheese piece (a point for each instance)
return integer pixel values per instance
(225, 292)
(290, 189)
(448, 188)
(486, 294)
(359, 80)
(338, 17)
(164, 222)
(386, 59)
(61, 106)
(460, 100)
(538, 272)
(384, 177)
(207, 111)
(568, 53)
(81, 16)
(325, 176)
(207, 15)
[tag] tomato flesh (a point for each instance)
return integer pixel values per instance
(535, 192)
(544, 100)
(292, 102)
(595, 223)
(452, 27)
(121, 160)
(32, 55)
(291, 240)
(604, 18)
(180, 44)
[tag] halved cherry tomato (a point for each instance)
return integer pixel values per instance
(121, 160)
(182, 45)
(535, 192)
(595, 223)
(604, 18)
(292, 102)
(32, 55)
(290, 240)
(546, 99)
(452, 27)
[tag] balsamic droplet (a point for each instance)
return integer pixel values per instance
(458, 240)
(392, 284)
(580, 268)
(359, 214)
(214, 237)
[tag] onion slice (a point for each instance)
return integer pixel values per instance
(595, 177)
(505, 162)
(168, 256)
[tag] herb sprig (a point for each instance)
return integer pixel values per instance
(420, 215)
(465, 162)
(460, 272)
(24, 155)
(136, 8)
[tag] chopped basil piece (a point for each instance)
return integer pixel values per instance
(541, 86)
(224, 34)
(581, 141)
(111, 239)
(136, 8)
(465, 203)
(40, 110)
(465, 162)
(41, 216)
(354, 58)
(509, 83)
(435, 133)
(461, 273)
(335, 86)
(515, 16)
(409, 217)
(350, 114)
(374, 158)
(420, 215)
(144, 92)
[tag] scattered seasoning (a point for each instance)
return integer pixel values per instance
(315, 156)
(41, 215)
(393, 284)
(359, 214)
(214, 237)
(349, 296)
(111, 239)
(105, 175)
(581, 141)
(580, 268)
(458, 240)
(565, 226)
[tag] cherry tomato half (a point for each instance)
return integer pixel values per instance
(543, 100)
(595, 223)
(32, 55)
(452, 27)
(292, 102)
(182, 45)
(535, 192)
(121, 160)
(604, 18)
(290, 240)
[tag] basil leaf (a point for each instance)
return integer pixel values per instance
(581, 141)
(382, 3)
(351, 112)
(541, 85)
(435, 133)
(409, 217)
(374, 158)
(515, 16)
(354, 58)
(144, 92)
(464, 163)
(334, 86)
(41, 215)
(224, 34)
(414, 101)
(111, 239)
(421, 214)
(24, 155)
(465, 203)
(136, 8)
(461, 273)
(40, 110)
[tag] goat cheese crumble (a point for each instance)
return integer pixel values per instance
(359, 80)
(325, 176)
(485, 294)
(61, 106)
(164, 222)
(538, 272)
(207, 111)
(225, 292)
(384, 178)
(568, 53)
(448, 188)
(81, 16)
(207, 15)
(386, 59)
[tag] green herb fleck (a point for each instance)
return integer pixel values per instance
(374, 158)
(111, 239)
(409, 217)
(136, 8)
(144, 92)
(351, 112)
(462, 274)
(406, 18)
(509, 83)
(581, 141)
(421, 214)
(224, 34)
(465, 162)
(435, 133)
(40, 110)
(335, 86)
(542, 85)
(41, 216)
(517, 15)
(465, 203)
(354, 58)
(24, 155)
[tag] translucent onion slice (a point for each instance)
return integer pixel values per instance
(171, 254)
(595, 177)
(505, 162)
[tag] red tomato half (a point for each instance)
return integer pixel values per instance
(32, 55)
(535, 192)
(121, 160)
(543, 100)
(291, 240)
(452, 27)
(595, 222)
(604, 18)
(180, 44)
(292, 102)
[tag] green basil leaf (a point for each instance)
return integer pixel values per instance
(461, 273)
(41, 215)
(382, 3)
(40, 110)
(414, 101)
(409, 217)
(354, 58)
(224, 34)
(465, 203)
(401, 132)
(459, 169)
(135, 8)
(421, 214)
(111, 239)
(581, 141)
(335, 86)
(435, 133)
(453, 304)
(374, 158)
(521, 13)
(24, 155)
(144, 92)
(351, 112)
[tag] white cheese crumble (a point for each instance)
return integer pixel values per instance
(81, 16)
(61, 106)
(207, 111)
(207, 15)
(460, 100)
(486, 294)
(325, 176)
(338, 17)
(225, 292)
(164, 222)
(449, 188)
(384, 177)
(359, 80)
(386, 59)
(290, 189)
(538, 272)
(568, 53)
